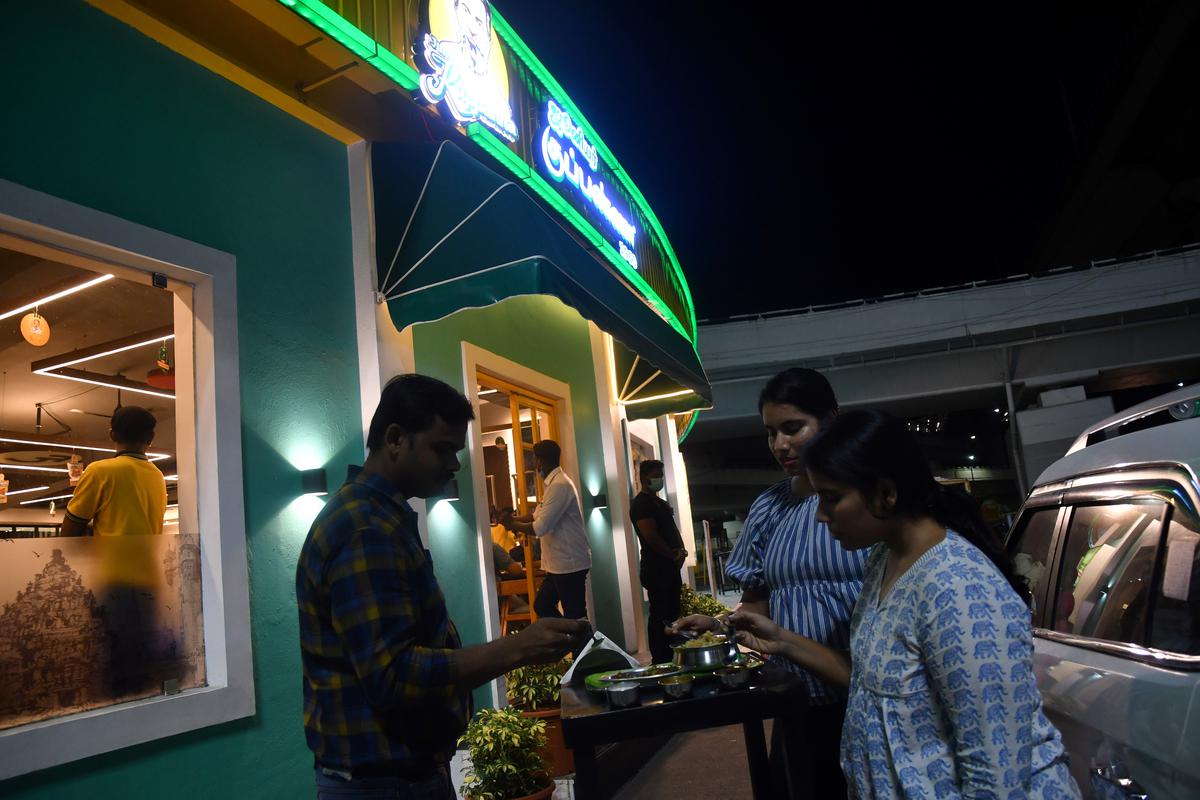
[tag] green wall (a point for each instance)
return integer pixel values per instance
(97, 114)
(544, 335)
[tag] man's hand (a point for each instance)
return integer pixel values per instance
(548, 640)
(680, 557)
(695, 623)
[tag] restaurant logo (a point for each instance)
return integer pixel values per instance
(467, 73)
(571, 159)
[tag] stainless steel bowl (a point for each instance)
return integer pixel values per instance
(709, 656)
(733, 677)
(622, 695)
(676, 686)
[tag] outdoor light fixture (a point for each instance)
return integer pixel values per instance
(1180, 384)
(651, 399)
(41, 301)
(450, 490)
(996, 410)
(600, 501)
(972, 437)
(313, 481)
(970, 458)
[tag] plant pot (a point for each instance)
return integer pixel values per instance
(540, 794)
(558, 758)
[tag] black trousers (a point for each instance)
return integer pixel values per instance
(567, 588)
(812, 767)
(662, 588)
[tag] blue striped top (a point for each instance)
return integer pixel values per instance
(812, 581)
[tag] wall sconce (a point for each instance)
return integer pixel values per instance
(313, 481)
(599, 501)
(449, 491)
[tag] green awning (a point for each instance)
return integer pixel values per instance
(452, 234)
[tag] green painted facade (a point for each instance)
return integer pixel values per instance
(113, 121)
(97, 114)
(545, 335)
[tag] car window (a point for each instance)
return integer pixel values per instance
(1106, 571)
(1029, 547)
(1176, 625)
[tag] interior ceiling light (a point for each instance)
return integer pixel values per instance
(63, 366)
(32, 468)
(35, 329)
(52, 297)
(46, 499)
(65, 445)
(27, 491)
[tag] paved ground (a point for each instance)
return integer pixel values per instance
(704, 765)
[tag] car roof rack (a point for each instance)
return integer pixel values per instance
(1153, 406)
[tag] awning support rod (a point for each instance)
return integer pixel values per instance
(453, 231)
(629, 376)
(641, 386)
(411, 217)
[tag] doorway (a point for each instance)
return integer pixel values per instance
(512, 420)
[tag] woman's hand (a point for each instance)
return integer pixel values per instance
(757, 631)
(695, 623)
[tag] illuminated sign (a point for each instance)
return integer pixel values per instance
(570, 158)
(467, 70)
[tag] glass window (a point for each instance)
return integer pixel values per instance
(92, 612)
(1030, 550)
(1107, 570)
(1176, 625)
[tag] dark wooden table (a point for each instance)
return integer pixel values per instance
(589, 721)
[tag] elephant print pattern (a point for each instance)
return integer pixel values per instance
(943, 701)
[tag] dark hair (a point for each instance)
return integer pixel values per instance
(414, 402)
(806, 389)
(648, 466)
(548, 452)
(862, 448)
(133, 425)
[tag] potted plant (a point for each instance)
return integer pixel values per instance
(692, 603)
(506, 757)
(534, 691)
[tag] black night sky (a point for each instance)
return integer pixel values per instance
(822, 152)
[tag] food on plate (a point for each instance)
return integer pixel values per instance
(706, 639)
(644, 672)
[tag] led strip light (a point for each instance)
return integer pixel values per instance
(61, 366)
(56, 296)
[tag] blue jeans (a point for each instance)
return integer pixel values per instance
(335, 787)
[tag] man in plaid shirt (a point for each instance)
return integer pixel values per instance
(386, 681)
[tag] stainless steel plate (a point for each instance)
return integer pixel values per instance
(650, 674)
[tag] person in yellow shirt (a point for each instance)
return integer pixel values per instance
(124, 495)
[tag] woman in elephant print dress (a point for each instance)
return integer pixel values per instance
(943, 700)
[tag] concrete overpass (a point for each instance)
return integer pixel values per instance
(1002, 344)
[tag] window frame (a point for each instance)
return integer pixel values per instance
(1173, 485)
(82, 232)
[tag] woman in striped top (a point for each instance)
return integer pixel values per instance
(793, 571)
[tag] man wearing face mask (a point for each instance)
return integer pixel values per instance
(662, 556)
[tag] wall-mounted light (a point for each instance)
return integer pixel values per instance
(313, 481)
(600, 500)
(449, 491)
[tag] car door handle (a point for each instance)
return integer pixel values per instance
(1113, 783)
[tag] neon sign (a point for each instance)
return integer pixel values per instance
(569, 157)
(468, 73)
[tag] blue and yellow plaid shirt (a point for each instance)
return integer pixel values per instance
(381, 688)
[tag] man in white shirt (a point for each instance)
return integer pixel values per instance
(558, 523)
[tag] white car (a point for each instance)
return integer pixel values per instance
(1109, 541)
